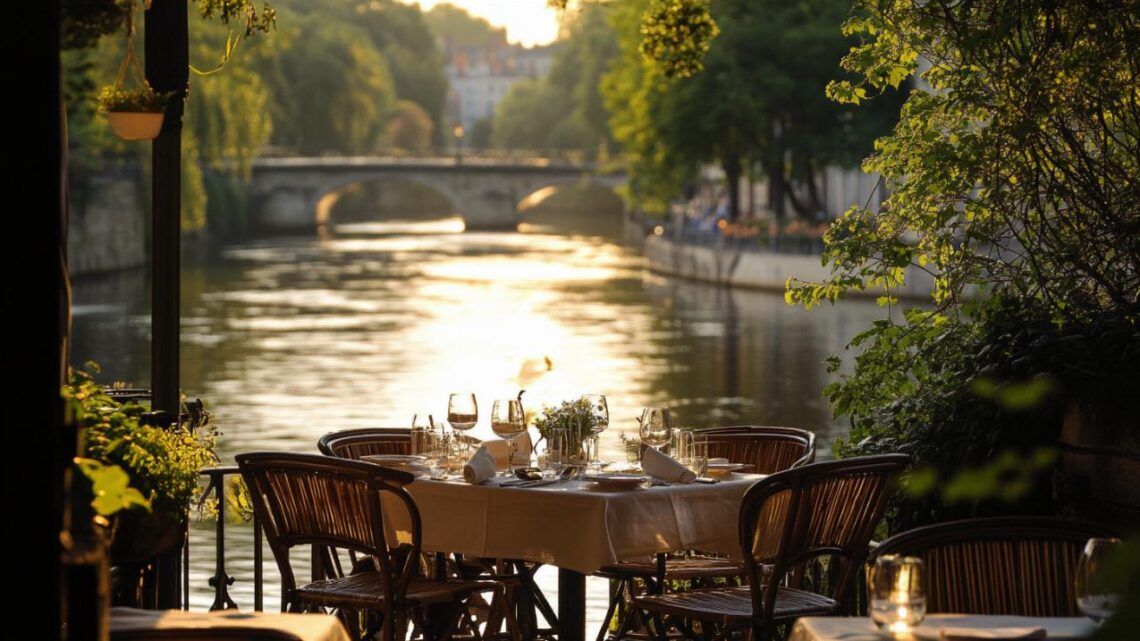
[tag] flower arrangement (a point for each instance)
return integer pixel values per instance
(576, 417)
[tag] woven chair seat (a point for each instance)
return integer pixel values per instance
(366, 590)
(732, 606)
(680, 569)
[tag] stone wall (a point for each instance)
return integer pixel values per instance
(755, 269)
(107, 226)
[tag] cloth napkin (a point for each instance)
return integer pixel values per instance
(664, 467)
(499, 447)
(992, 634)
(480, 468)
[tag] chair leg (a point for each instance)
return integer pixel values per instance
(616, 594)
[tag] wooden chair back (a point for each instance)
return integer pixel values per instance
(369, 441)
(768, 449)
(1004, 565)
(820, 509)
(332, 504)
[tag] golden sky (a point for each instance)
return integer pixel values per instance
(528, 22)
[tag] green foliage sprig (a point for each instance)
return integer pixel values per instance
(163, 464)
(677, 34)
(141, 100)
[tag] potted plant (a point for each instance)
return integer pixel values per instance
(142, 479)
(134, 114)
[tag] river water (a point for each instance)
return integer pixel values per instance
(290, 338)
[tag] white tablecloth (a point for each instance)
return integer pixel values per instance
(573, 526)
(862, 629)
(307, 627)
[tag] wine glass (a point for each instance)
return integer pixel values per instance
(601, 415)
(507, 422)
(1095, 599)
(462, 412)
(656, 427)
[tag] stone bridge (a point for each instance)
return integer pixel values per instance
(297, 194)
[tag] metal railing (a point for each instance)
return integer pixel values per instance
(221, 580)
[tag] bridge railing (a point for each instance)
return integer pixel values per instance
(567, 156)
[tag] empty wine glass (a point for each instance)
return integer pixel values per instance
(601, 415)
(1096, 599)
(462, 412)
(656, 427)
(507, 422)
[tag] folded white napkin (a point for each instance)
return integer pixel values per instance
(993, 634)
(480, 468)
(665, 467)
(498, 449)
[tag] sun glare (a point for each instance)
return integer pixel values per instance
(528, 22)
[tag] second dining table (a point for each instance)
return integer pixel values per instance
(578, 526)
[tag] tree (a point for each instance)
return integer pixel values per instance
(331, 88)
(1017, 171)
(401, 33)
(1014, 181)
(409, 128)
(759, 99)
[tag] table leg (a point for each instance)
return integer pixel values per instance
(571, 605)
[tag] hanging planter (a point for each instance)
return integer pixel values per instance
(134, 114)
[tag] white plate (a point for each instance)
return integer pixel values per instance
(615, 481)
(722, 469)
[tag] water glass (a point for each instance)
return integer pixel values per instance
(680, 444)
(698, 458)
(557, 454)
(1095, 599)
(894, 586)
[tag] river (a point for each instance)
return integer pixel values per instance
(290, 338)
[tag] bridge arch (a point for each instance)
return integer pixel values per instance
(328, 200)
(293, 194)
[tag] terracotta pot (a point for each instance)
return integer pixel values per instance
(141, 536)
(135, 125)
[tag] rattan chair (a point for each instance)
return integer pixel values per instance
(368, 441)
(358, 443)
(768, 450)
(1005, 565)
(336, 504)
(787, 520)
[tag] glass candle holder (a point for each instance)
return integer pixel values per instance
(894, 586)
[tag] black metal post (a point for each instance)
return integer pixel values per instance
(571, 605)
(167, 69)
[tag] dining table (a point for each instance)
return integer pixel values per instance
(578, 525)
(134, 624)
(942, 627)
